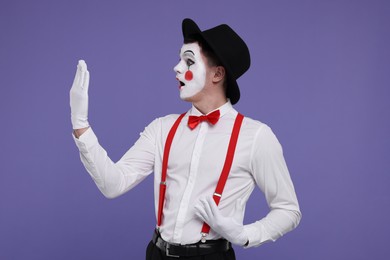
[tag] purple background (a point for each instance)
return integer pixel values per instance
(319, 77)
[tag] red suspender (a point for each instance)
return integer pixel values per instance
(222, 179)
(226, 169)
(163, 184)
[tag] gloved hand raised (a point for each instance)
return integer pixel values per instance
(228, 227)
(79, 97)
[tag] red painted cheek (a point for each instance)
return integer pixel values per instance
(188, 76)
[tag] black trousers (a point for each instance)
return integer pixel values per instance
(154, 253)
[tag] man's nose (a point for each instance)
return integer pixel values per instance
(178, 68)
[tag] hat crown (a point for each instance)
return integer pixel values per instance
(233, 52)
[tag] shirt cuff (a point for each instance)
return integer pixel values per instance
(256, 235)
(86, 140)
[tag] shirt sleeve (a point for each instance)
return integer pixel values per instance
(272, 176)
(115, 179)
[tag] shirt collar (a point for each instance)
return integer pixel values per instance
(224, 109)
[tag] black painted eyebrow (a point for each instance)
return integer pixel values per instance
(190, 51)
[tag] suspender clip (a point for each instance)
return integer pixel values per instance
(203, 239)
(217, 194)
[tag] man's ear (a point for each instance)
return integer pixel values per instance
(219, 74)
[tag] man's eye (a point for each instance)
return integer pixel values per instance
(189, 62)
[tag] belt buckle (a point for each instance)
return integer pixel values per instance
(167, 251)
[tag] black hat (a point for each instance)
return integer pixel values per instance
(230, 49)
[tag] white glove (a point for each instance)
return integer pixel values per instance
(229, 227)
(79, 97)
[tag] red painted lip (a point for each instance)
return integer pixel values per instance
(181, 83)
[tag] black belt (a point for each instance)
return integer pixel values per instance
(197, 249)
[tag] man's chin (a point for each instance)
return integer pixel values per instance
(186, 98)
(192, 98)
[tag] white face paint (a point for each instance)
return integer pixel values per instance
(191, 62)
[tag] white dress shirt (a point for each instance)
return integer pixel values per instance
(195, 162)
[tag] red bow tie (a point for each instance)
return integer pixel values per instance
(212, 118)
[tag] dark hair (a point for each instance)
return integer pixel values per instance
(206, 50)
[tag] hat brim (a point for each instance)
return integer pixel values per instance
(189, 27)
